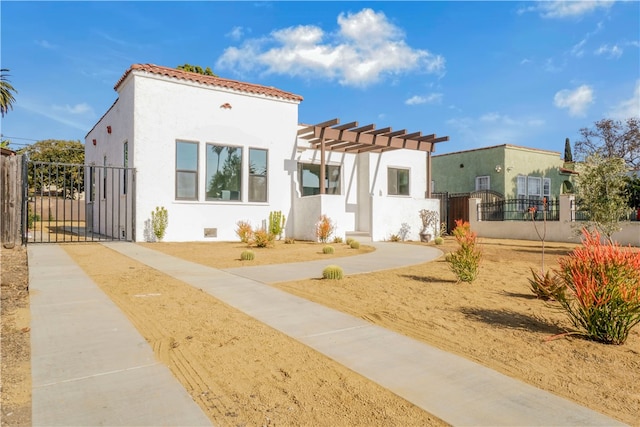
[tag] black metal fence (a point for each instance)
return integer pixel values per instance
(519, 210)
(77, 203)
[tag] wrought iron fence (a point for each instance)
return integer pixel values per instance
(519, 210)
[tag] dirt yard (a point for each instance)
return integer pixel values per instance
(244, 373)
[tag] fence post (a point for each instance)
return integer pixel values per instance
(565, 207)
(11, 196)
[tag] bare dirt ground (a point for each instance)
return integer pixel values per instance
(242, 372)
(15, 346)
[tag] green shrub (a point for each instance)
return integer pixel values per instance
(33, 218)
(289, 240)
(465, 261)
(602, 297)
(332, 272)
(354, 244)
(395, 238)
(337, 239)
(244, 231)
(159, 222)
(439, 240)
(247, 255)
(349, 240)
(276, 223)
(263, 239)
(328, 250)
(546, 287)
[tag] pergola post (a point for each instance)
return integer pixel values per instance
(322, 166)
(428, 174)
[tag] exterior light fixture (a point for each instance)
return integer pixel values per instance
(109, 129)
(498, 168)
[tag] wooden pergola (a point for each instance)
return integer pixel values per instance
(351, 138)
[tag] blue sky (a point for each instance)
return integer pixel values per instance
(483, 73)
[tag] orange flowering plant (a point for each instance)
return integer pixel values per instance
(324, 228)
(602, 297)
(465, 261)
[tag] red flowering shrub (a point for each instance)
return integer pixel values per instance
(324, 228)
(465, 262)
(602, 295)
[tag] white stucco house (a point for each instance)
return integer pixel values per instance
(214, 151)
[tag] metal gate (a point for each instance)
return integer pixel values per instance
(455, 206)
(77, 203)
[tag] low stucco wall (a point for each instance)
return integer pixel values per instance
(389, 213)
(307, 211)
(556, 231)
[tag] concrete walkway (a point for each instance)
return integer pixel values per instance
(89, 365)
(452, 388)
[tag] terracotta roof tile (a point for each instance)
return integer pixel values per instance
(210, 80)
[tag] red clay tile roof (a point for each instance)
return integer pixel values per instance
(210, 80)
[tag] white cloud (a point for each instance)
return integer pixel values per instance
(366, 48)
(576, 101)
(236, 33)
(78, 109)
(566, 8)
(45, 44)
(494, 128)
(432, 98)
(577, 49)
(611, 51)
(629, 107)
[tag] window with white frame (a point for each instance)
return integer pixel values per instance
(258, 175)
(397, 182)
(186, 170)
(224, 172)
(309, 179)
(483, 183)
(531, 189)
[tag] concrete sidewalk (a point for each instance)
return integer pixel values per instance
(456, 390)
(89, 365)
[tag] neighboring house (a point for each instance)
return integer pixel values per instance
(513, 171)
(214, 151)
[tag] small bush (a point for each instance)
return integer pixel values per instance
(332, 272)
(263, 239)
(465, 261)
(395, 238)
(349, 240)
(354, 244)
(247, 255)
(328, 250)
(324, 228)
(439, 240)
(289, 240)
(337, 239)
(547, 287)
(244, 231)
(602, 297)
(159, 222)
(276, 223)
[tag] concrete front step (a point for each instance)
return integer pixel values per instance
(360, 236)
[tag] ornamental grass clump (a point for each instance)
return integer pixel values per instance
(602, 297)
(247, 255)
(332, 272)
(465, 261)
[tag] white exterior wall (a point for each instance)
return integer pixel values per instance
(111, 146)
(166, 112)
(365, 204)
(170, 110)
